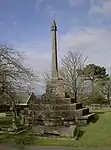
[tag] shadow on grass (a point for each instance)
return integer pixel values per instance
(95, 118)
(100, 112)
(81, 133)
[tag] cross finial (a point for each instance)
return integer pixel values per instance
(54, 27)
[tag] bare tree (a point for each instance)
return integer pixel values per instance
(13, 75)
(70, 64)
(47, 77)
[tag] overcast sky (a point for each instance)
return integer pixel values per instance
(83, 25)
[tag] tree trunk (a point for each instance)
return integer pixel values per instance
(13, 112)
(75, 95)
(92, 85)
(108, 95)
(75, 91)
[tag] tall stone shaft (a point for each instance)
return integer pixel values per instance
(54, 51)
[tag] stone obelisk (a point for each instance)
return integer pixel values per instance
(54, 89)
(57, 83)
(54, 52)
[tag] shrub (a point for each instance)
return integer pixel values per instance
(91, 98)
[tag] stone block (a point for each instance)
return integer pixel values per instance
(65, 107)
(38, 129)
(68, 106)
(50, 131)
(82, 122)
(53, 122)
(60, 100)
(75, 106)
(82, 112)
(70, 115)
(71, 131)
(56, 87)
(42, 106)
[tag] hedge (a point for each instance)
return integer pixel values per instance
(6, 108)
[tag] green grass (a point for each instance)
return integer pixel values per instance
(5, 121)
(95, 135)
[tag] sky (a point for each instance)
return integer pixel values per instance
(83, 26)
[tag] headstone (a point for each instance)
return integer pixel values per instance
(2, 114)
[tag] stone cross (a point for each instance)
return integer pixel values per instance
(54, 51)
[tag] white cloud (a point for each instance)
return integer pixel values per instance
(38, 4)
(101, 8)
(50, 11)
(74, 3)
(37, 54)
(94, 43)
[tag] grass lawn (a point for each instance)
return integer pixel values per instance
(5, 121)
(95, 135)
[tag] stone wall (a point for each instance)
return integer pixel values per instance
(98, 106)
(49, 112)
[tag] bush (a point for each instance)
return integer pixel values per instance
(96, 98)
(6, 108)
(91, 98)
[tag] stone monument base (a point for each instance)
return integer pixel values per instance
(58, 131)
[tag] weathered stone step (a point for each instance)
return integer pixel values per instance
(42, 107)
(66, 114)
(63, 113)
(63, 100)
(72, 131)
(83, 120)
(86, 116)
(81, 112)
(75, 106)
(63, 107)
(66, 107)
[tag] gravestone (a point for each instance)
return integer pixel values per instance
(2, 114)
